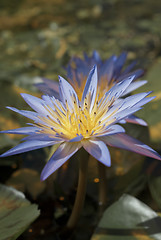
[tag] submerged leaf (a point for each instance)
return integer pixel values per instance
(16, 213)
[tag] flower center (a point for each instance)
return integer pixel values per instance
(68, 123)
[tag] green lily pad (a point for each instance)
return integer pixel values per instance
(16, 213)
(128, 219)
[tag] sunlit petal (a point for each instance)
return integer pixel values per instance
(91, 87)
(23, 130)
(67, 92)
(135, 120)
(61, 155)
(126, 142)
(98, 150)
(35, 103)
(133, 86)
(48, 87)
(27, 146)
(112, 130)
(118, 89)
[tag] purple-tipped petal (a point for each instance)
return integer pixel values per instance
(61, 155)
(35, 103)
(107, 70)
(118, 89)
(67, 92)
(138, 73)
(135, 120)
(96, 56)
(91, 86)
(133, 101)
(42, 137)
(48, 87)
(144, 101)
(125, 113)
(98, 150)
(129, 68)
(25, 113)
(49, 101)
(133, 86)
(126, 142)
(27, 146)
(112, 130)
(32, 115)
(77, 139)
(119, 63)
(23, 130)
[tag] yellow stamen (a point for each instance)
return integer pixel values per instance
(79, 120)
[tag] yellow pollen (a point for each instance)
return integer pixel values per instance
(69, 122)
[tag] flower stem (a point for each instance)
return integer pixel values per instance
(102, 186)
(80, 195)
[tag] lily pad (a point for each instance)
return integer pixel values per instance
(129, 219)
(16, 213)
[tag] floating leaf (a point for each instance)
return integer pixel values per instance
(27, 180)
(16, 213)
(129, 219)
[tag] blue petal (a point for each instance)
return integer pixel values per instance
(129, 68)
(61, 155)
(107, 69)
(98, 150)
(96, 56)
(42, 137)
(76, 139)
(127, 106)
(23, 130)
(28, 114)
(67, 93)
(112, 130)
(119, 111)
(91, 86)
(135, 120)
(119, 63)
(118, 89)
(144, 101)
(124, 113)
(51, 102)
(36, 103)
(48, 87)
(138, 73)
(126, 142)
(134, 100)
(133, 86)
(27, 146)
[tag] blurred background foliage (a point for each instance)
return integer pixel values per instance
(38, 38)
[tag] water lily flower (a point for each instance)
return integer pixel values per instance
(110, 72)
(91, 123)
